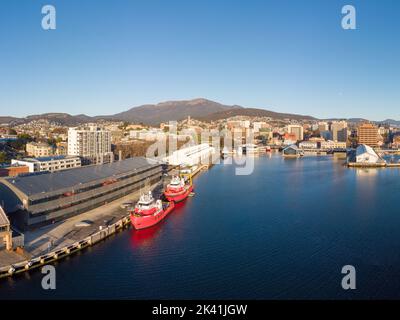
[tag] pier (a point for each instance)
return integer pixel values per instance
(372, 165)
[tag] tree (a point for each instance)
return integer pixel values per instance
(3, 157)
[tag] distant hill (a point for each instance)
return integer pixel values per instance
(391, 122)
(7, 120)
(253, 112)
(62, 118)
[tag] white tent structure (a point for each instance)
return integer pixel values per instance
(365, 154)
(191, 156)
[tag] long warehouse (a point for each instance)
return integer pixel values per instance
(37, 199)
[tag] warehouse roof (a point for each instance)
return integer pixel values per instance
(3, 218)
(43, 182)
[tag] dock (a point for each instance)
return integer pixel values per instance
(56, 242)
(372, 165)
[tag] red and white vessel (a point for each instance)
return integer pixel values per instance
(149, 211)
(177, 190)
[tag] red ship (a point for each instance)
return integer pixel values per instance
(177, 190)
(149, 212)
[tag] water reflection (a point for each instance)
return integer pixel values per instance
(147, 238)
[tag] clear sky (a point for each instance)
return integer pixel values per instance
(283, 55)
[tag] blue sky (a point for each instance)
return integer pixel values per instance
(289, 56)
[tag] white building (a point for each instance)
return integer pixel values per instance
(90, 142)
(333, 145)
(190, 156)
(365, 154)
(55, 163)
(308, 145)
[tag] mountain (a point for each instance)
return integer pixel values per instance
(8, 120)
(171, 110)
(62, 118)
(201, 109)
(153, 114)
(391, 122)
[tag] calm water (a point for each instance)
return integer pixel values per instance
(283, 232)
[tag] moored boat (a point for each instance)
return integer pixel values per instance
(149, 211)
(177, 190)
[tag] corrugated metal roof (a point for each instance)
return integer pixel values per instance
(43, 182)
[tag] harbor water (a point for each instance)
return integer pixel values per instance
(283, 232)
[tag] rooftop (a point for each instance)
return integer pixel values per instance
(49, 158)
(43, 182)
(3, 218)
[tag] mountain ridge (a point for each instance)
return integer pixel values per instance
(153, 114)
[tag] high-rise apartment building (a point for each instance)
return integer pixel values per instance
(92, 143)
(339, 131)
(368, 134)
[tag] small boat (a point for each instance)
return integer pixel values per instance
(177, 190)
(149, 211)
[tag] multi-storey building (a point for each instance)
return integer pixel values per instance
(297, 130)
(368, 134)
(55, 163)
(40, 149)
(339, 131)
(323, 126)
(92, 143)
(38, 199)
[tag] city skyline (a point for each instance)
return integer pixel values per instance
(280, 56)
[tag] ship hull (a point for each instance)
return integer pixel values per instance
(178, 197)
(147, 221)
